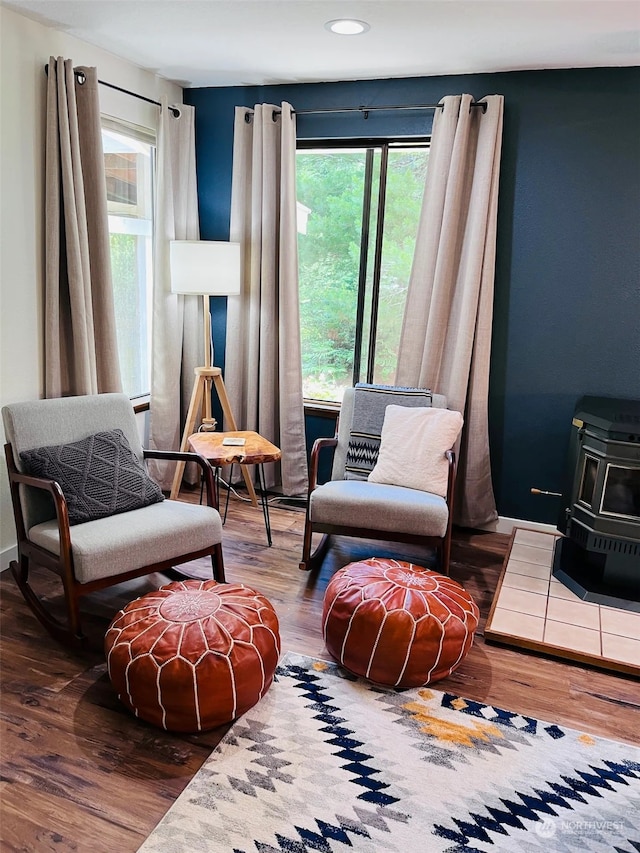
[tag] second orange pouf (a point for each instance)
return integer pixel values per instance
(396, 623)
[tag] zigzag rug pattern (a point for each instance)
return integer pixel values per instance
(331, 763)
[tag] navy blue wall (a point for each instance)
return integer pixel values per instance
(567, 302)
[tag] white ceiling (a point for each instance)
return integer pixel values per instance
(244, 42)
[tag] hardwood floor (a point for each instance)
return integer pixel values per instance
(79, 773)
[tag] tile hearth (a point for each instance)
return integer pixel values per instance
(533, 610)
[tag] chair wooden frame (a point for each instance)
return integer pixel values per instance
(312, 560)
(30, 554)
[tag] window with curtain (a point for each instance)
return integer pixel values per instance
(358, 211)
(129, 157)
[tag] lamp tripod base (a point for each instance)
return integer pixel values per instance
(200, 401)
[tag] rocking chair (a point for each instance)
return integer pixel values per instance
(107, 545)
(349, 504)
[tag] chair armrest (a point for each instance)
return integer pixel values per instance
(59, 502)
(451, 458)
(175, 456)
(318, 445)
(188, 456)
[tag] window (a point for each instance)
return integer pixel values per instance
(621, 492)
(129, 159)
(358, 211)
(589, 478)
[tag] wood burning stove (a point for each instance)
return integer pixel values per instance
(599, 556)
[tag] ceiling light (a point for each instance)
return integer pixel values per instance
(347, 27)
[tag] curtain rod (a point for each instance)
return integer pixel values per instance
(367, 110)
(81, 78)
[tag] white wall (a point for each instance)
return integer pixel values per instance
(25, 48)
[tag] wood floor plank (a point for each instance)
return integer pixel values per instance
(80, 773)
(36, 821)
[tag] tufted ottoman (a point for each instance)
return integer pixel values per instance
(194, 654)
(397, 624)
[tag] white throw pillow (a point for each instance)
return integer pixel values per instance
(412, 447)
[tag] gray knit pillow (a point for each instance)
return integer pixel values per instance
(99, 475)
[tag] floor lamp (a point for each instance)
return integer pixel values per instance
(206, 268)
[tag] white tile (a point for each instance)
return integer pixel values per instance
(539, 585)
(577, 612)
(559, 590)
(624, 623)
(531, 554)
(529, 569)
(535, 538)
(517, 624)
(621, 649)
(572, 637)
(522, 601)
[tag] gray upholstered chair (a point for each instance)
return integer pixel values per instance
(350, 505)
(109, 548)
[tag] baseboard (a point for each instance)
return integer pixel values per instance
(7, 556)
(506, 525)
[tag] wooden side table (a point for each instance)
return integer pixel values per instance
(256, 450)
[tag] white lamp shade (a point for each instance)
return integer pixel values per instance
(204, 267)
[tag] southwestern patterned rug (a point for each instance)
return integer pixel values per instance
(328, 762)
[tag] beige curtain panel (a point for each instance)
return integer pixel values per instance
(446, 338)
(81, 351)
(177, 319)
(263, 373)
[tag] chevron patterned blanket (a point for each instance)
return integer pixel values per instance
(369, 405)
(328, 762)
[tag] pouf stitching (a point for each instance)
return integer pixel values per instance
(406, 657)
(191, 664)
(238, 605)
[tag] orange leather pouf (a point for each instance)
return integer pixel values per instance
(194, 654)
(396, 623)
